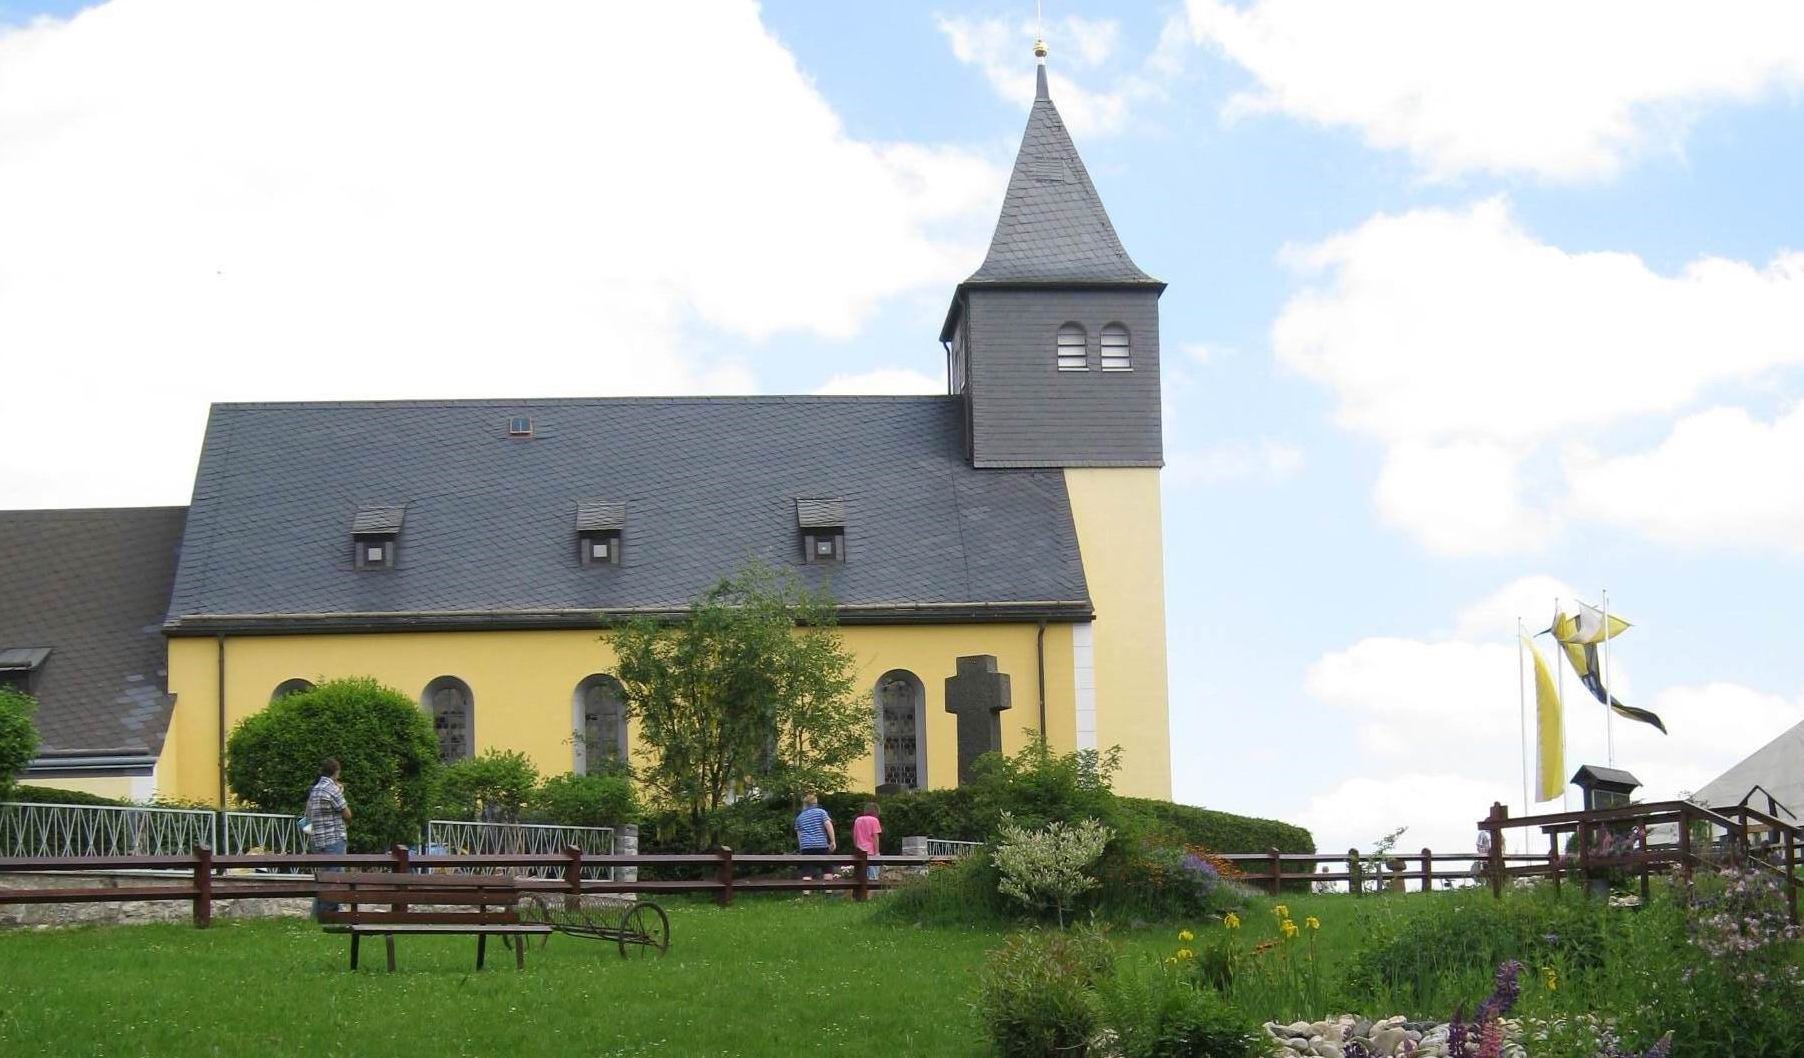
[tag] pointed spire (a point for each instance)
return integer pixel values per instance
(1053, 228)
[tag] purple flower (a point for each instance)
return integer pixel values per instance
(1506, 994)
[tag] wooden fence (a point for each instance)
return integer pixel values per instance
(213, 878)
(1581, 846)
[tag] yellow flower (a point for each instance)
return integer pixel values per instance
(1550, 977)
(1280, 912)
(1186, 936)
(1312, 922)
(1288, 928)
(1185, 954)
(1231, 920)
(1171, 960)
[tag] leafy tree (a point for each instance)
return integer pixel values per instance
(18, 735)
(493, 786)
(753, 689)
(383, 739)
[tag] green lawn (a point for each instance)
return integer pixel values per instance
(769, 976)
(766, 977)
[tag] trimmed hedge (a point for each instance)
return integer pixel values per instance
(46, 795)
(1218, 831)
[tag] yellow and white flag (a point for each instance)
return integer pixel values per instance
(1550, 752)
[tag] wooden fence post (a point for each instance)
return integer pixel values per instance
(1584, 844)
(724, 895)
(203, 887)
(573, 877)
(1277, 870)
(1356, 882)
(1641, 856)
(1685, 851)
(1553, 860)
(403, 865)
(861, 861)
(1495, 824)
(1427, 871)
(1791, 873)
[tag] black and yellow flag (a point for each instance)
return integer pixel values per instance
(1579, 636)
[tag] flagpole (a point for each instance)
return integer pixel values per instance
(1528, 808)
(1604, 675)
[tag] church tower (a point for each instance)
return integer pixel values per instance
(1053, 344)
(1054, 341)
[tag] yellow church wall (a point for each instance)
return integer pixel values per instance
(1117, 513)
(523, 682)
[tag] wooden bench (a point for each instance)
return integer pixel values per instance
(380, 903)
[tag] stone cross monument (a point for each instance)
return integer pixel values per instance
(977, 696)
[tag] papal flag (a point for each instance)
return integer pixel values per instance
(1550, 750)
(1579, 635)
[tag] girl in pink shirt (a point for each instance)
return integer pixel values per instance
(865, 831)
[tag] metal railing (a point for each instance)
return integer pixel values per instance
(945, 849)
(466, 838)
(53, 830)
(245, 833)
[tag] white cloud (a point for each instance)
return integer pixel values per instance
(1721, 476)
(1531, 598)
(1560, 90)
(1264, 461)
(1459, 498)
(1465, 345)
(1438, 725)
(420, 199)
(1003, 50)
(884, 380)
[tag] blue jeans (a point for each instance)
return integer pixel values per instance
(333, 848)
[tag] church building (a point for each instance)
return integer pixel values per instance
(469, 552)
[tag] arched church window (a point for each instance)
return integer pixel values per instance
(288, 687)
(1073, 348)
(453, 710)
(600, 723)
(901, 742)
(1115, 351)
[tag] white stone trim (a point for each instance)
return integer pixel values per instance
(1083, 677)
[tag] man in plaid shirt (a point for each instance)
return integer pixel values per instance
(327, 815)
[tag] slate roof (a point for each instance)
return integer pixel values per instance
(1053, 228)
(91, 586)
(489, 539)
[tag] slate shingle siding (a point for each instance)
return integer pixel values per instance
(710, 482)
(1026, 412)
(92, 586)
(1053, 227)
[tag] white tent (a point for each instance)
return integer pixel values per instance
(1777, 768)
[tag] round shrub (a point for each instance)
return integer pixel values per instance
(383, 740)
(1034, 994)
(18, 735)
(492, 786)
(573, 800)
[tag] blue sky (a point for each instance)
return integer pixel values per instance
(1461, 316)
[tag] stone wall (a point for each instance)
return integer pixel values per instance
(131, 911)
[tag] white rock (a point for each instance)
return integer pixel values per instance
(1385, 1041)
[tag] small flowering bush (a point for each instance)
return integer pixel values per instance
(1045, 868)
(1160, 1012)
(1035, 994)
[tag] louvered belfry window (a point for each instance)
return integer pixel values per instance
(1115, 351)
(1073, 351)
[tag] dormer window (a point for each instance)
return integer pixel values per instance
(20, 668)
(1115, 351)
(600, 528)
(519, 426)
(823, 524)
(374, 533)
(1073, 348)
